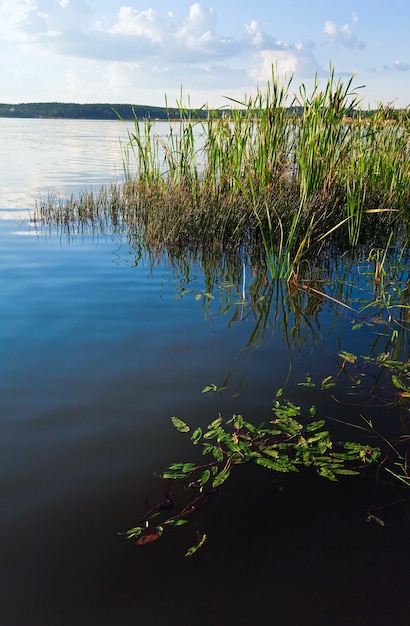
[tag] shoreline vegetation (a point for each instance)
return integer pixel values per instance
(127, 111)
(277, 181)
(91, 111)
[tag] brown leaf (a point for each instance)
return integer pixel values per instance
(147, 538)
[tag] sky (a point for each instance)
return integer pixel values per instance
(149, 52)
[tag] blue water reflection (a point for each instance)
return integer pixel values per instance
(97, 352)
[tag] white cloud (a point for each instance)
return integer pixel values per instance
(70, 28)
(342, 36)
(402, 66)
(259, 39)
(133, 23)
(295, 60)
(199, 21)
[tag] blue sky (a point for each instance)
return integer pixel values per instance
(141, 51)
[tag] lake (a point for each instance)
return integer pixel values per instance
(99, 348)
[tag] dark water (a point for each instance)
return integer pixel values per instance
(97, 352)
(96, 355)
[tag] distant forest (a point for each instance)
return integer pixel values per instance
(61, 110)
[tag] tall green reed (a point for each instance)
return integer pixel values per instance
(285, 171)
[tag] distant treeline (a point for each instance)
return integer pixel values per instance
(63, 110)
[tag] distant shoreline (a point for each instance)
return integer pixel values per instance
(105, 111)
(128, 112)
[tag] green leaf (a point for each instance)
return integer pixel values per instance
(277, 466)
(314, 426)
(183, 467)
(206, 474)
(345, 471)
(217, 453)
(287, 424)
(238, 421)
(231, 444)
(196, 435)
(327, 473)
(211, 434)
(287, 410)
(328, 382)
(176, 522)
(397, 382)
(211, 387)
(307, 382)
(250, 427)
(221, 477)
(180, 425)
(208, 447)
(173, 475)
(324, 444)
(134, 532)
(202, 538)
(348, 356)
(215, 424)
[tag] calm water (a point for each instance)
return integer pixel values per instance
(97, 353)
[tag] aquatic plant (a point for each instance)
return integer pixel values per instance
(293, 440)
(287, 443)
(285, 172)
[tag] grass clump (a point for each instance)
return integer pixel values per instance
(278, 171)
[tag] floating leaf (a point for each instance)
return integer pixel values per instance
(206, 474)
(348, 356)
(201, 540)
(250, 427)
(277, 466)
(221, 477)
(176, 522)
(148, 538)
(196, 435)
(180, 425)
(217, 453)
(211, 387)
(210, 434)
(315, 426)
(327, 473)
(287, 424)
(216, 423)
(134, 532)
(238, 421)
(328, 382)
(173, 475)
(198, 296)
(271, 452)
(307, 383)
(345, 471)
(186, 467)
(287, 410)
(357, 326)
(397, 382)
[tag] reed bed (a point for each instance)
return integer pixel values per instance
(279, 171)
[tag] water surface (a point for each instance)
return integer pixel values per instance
(98, 351)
